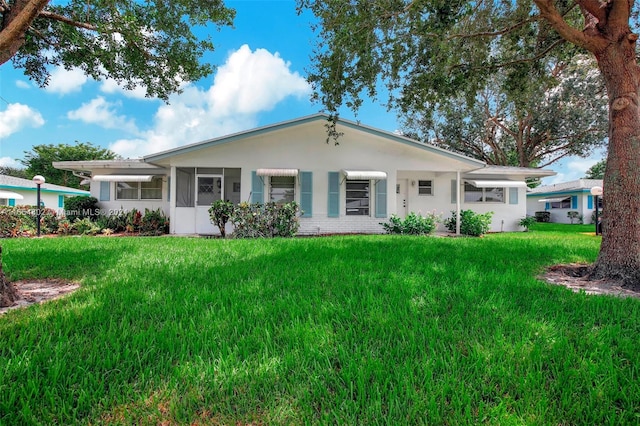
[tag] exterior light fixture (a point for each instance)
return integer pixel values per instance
(38, 180)
(596, 191)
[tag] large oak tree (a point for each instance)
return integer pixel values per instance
(152, 44)
(423, 50)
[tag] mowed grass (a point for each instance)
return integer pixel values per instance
(335, 330)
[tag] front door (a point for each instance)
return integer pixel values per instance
(208, 189)
(402, 201)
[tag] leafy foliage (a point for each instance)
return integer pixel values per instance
(81, 207)
(13, 171)
(471, 223)
(154, 222)
(151, 44)
(527, 221)
(597, 170)
(256, 220)
(220, 212)
(39, 160)
(413, 224)
(20, 221)
(565, 114)
(543, 216)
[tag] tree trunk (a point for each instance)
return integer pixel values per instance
(619, 256)
(8, 294)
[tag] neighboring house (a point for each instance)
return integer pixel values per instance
(561, 198)
(346, 188)
(18, 192)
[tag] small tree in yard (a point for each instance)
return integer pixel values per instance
(220, 212)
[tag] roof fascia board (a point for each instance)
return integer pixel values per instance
(60, 191)
(566, 191)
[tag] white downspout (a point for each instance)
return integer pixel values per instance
(458, 202)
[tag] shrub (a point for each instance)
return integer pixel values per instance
(543, 216)
(527, 221)
(265, 220)
(572, 215)
(154, 222)
(471, 223)
(85, 227)
(413, 224)
(11, 222)
(220, 212)
(81, 207)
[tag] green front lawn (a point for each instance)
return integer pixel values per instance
(336, 330)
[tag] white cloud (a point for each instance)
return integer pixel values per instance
(572, 168)
(10, 162)
(110, 86)
(248, 83)
(21, 84)
(64, 81)
(102, 113)
(16, 117)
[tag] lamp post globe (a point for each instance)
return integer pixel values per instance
(38, 180)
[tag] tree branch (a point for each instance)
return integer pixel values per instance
(596, 8)
(549, 12)
(69, 21)
(17, 22)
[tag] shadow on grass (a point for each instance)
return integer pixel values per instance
(342, 329)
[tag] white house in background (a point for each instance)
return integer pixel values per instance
(16, 191)
(561, 198)
(346, 188)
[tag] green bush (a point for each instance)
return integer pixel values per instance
(85, 227)
(526, 222)
(572, 215)
(220, 212)
(17, 221)
(265, 220)
(471, 223)
(413, 224)
(81, 207)
(544, 216)
(154, 222)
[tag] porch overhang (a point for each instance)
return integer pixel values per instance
(364, 175)
(487, 183)
(10, 195)
(122, 178)
(553, 200)
(277, 172)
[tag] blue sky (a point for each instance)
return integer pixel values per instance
(260, 80)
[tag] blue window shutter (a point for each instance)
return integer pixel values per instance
(60, 200)
(257, 188)
(105, 191)
(589, 201)
(513, 195)
(454, 191)
(574, 201)
(547, 206)
(306, 193)
(381, 198)
(333, 205)
(12, 202)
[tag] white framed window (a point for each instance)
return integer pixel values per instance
(358, 197)
(282, 189)
(473, 194)
(425, 187)
(563, 204)
(139, 190)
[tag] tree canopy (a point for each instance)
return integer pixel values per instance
(151, 44)
(597, 170)
(39, 161)
(566, 114)
(423, 51)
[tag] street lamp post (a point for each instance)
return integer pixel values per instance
(596, 191)
(38, 180)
